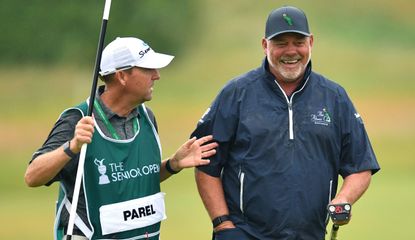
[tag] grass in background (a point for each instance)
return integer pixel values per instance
(373, 68)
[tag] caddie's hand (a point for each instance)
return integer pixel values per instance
(192, 152)
(84, 130)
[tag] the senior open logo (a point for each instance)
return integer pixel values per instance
(117, 172)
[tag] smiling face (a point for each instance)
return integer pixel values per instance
(288, 55)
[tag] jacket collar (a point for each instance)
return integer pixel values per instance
(107, 111)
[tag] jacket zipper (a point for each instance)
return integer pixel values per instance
(290, 119)
(241, 190)
(290, 108)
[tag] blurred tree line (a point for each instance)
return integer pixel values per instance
(56, 32)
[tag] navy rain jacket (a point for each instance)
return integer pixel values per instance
(279, 158)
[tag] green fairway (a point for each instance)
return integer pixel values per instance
(366, 47)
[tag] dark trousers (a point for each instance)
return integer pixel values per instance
(231, 234)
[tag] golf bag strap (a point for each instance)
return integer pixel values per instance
(78, 221)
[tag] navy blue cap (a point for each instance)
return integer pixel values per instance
(286, 19)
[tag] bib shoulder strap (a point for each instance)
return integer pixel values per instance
(151, 117)
(83, 107)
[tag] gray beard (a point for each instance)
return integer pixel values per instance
(292, 76)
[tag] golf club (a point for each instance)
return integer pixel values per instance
(80, 170)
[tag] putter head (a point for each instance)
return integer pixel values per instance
(340, 213)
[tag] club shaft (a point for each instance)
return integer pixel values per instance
(334, 231)
(76, 191)
(80, 170)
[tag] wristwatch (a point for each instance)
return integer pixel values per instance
(169, 169)
(217, 221)
(67, 149)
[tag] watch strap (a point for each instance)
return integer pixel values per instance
(169, 169)
(218, 220)
(67, 150)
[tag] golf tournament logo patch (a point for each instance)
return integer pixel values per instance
(102, 169)
(118, 172)
(322, 117)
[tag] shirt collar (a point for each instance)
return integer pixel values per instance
(110, 114)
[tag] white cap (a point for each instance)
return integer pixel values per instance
(127, 52)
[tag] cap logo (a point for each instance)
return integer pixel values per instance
(287, 19)
(143, 52)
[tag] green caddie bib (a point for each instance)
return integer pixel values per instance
(121, 183)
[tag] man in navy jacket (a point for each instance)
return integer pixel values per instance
(285, 134)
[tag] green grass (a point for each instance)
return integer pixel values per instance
(374, 68)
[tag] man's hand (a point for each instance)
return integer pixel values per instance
(193, 152)
(83, 133)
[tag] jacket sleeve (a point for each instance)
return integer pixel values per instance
(357, 154)
(220, 120)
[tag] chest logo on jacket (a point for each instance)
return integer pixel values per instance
(321, 117)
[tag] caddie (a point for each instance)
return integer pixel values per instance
(120, 197)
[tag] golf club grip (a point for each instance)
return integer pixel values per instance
(334, 231)
(105, 18)
(96, 68)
